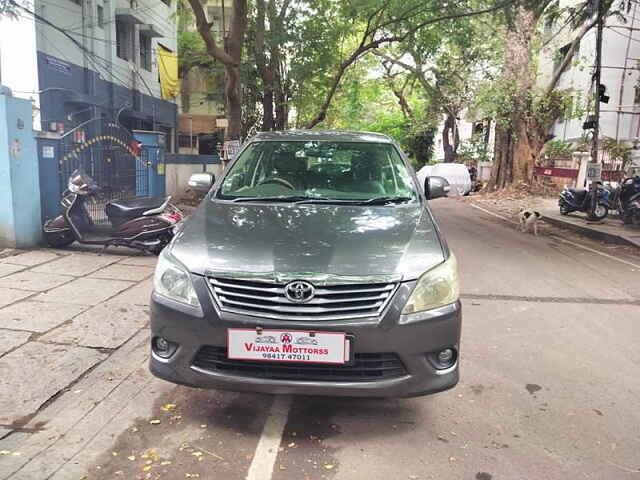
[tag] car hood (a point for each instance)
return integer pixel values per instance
(322, 242)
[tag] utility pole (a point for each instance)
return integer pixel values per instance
(596, 94)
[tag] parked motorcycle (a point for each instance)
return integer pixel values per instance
(628, 200)
(144, 223)
(578, 200)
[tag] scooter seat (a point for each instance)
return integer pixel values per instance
(133, 207)
(578, 193)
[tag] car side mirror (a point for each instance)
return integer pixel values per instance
(436, 187)
(201, 182)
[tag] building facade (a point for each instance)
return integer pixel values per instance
(620, 117)
(85, 59)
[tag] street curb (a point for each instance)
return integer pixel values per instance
(591, 232)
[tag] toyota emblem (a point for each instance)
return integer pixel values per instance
(299, 292)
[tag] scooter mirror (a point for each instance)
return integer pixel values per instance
(201, 182)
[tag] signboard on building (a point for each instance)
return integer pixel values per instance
(594, 172)
(57, 65)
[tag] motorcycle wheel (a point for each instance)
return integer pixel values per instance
(564, 210)
(59, 239)
(601, 211)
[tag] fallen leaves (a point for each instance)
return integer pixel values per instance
(155, 421)
(167, 407)
(329, 466)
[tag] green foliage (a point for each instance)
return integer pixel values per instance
(617, 150)
(191, 48)
(558, 149)
(500, 100)
(475, 150)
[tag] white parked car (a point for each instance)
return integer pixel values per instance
(456, 174)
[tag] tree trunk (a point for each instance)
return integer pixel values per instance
(230, 56)
(449, 131)
(513, 160)
(265, 70)
(233, 88)
(280, 94)
(234, 104)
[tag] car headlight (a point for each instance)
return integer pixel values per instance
(173, 281)
(435, 288)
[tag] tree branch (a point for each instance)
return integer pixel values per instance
(204, 28)
(364, 48)
(568, 57)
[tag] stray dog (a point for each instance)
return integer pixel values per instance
(528, 220)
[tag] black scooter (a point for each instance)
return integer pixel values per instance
(628, 200)
(572, 200)
(144, 223)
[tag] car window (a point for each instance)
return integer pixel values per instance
(331, 170)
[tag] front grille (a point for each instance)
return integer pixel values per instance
(366, 367)
(263, 299)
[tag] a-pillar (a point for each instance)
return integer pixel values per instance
(20, 218)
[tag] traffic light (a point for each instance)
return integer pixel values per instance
(602, 93)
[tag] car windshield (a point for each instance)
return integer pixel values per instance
(319, 171)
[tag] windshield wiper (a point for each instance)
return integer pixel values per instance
(285, 198)
(302, 200)
(385, 200)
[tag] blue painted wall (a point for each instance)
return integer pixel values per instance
(20, 215)
(76, 88)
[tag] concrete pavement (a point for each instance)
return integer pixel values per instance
(549, 383)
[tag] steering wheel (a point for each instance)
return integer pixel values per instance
(279, 181)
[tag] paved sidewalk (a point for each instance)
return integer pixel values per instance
(610, 230)
(62, 314)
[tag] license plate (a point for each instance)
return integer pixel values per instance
(287, 346)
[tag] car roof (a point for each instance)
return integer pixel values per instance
(322, 135)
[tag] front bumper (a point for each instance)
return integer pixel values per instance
(414, 343)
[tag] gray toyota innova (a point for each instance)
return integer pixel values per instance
(312, 266)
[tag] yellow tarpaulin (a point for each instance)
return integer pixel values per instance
(168, 70)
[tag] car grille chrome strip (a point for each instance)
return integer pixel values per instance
(330, 302)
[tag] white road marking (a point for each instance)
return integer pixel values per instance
(569, 242)
(593, 250)
(264, 458)
(489, 212)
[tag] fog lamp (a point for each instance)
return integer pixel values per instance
(163, 347)
(446, 357)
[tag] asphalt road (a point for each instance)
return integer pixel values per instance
(550, 389)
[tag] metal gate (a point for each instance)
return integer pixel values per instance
(109, 154)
